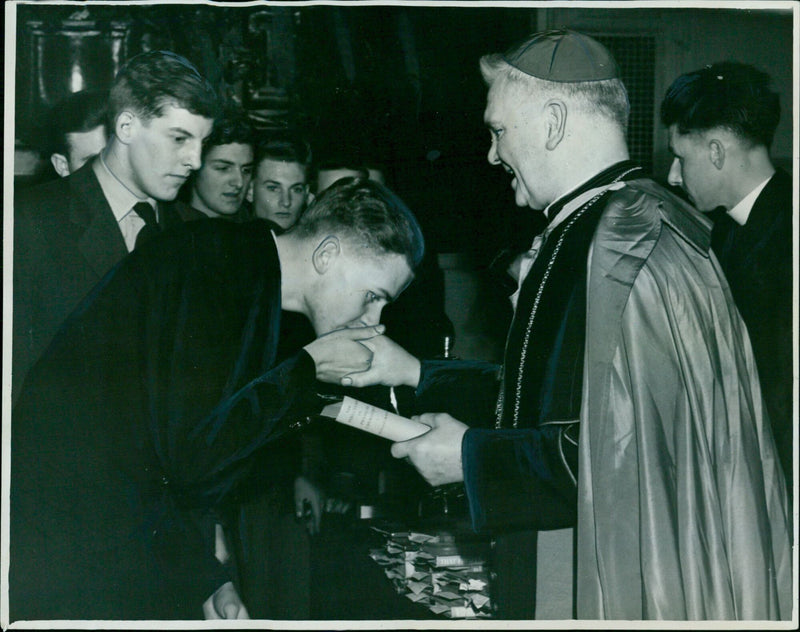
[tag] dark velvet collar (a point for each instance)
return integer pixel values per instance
(607, 176)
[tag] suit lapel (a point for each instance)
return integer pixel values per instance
(101, 242)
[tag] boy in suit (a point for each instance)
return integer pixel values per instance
(721, 122)
(68, 233)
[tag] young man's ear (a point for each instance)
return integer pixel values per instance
(124, 126)
(249, 194)
(716, 152)
(60, 164)
(325, 254)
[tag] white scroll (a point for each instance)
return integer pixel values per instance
(377, 421)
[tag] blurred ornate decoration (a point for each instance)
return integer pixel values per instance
(270, 66)
(62, 52)
(248, 53)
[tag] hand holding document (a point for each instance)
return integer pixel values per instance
(374, 420)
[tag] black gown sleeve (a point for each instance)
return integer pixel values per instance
(214, 392)
(521, 478)
(465, 389)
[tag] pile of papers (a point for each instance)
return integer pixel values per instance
(438, 570)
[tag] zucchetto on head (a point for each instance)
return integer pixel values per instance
(563, 56)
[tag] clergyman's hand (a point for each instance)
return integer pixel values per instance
(341, 352)
(391, 365)
(437, 453)
(225, 603)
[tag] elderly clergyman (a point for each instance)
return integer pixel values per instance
(629, 405)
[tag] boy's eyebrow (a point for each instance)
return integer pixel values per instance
(293, 184)
(225, 161)
(180, 130)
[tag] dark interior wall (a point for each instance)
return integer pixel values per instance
(413, 101)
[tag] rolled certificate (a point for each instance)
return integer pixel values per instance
(377, 421)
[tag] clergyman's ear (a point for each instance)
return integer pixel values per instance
(325, 254)
(60, 164)
(555, 112)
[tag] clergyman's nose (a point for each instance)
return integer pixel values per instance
(492, 157)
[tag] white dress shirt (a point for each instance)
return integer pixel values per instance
(121, 200)
(741, 212)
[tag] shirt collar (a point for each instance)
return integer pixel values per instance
(741, 212)
(120, 198)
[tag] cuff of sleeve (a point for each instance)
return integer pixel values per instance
(303, 379)
(471, 448)
(465, 389)
(424, 376)
(512, 481)
(305, 366)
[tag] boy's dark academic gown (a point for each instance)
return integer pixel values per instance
(140, 417)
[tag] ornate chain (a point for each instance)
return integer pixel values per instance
(524, 353)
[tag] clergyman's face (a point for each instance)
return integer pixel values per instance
(280, 192)
(355, 289)
(85, 145)
(219, 187)
(693, 170)
(516, 143)
(163, 151)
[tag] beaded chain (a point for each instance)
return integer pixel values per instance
(518, 390)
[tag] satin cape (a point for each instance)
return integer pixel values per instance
(682, 511)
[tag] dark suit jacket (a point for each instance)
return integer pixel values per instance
(65, 239)
(757, 260)
(140, 417)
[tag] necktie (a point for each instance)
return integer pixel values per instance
(150, 228)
